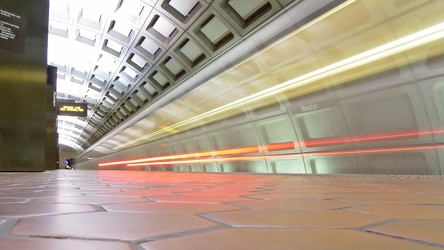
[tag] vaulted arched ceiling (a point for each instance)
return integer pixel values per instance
(120, 56)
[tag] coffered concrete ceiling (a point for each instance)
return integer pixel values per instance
(120, 56)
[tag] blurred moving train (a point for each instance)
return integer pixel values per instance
(353, 88)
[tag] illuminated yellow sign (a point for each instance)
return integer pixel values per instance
(72, 109)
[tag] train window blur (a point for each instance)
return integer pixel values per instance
(384, 115)
(409, 163)
(319, 124)
(438, 94)
(334, 165)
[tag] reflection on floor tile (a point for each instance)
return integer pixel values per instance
(14, 243)
(303, 204)
(162, 210)
(169, 207)
(111, 225)
(34, 209)
(11, 200)
(92, 199)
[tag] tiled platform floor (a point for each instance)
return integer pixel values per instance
(159, 210)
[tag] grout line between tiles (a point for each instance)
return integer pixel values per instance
(182, 234)
(418, 241)
(377, 224)
(131, 242)
(239, 206)
(98, 208)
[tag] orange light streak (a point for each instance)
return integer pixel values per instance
(171, 157)
(249, 158)
(277, 147)
(240, 158)
(246, 150)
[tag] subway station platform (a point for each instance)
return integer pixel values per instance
(113, 210)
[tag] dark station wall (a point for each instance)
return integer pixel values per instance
(23, 88)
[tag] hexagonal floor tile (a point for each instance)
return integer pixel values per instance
(169, 207)
(294, 204)
(110, 225)
(295, 218)
(34, 209)
(11, 243)
(403, 211)
(283, 239)
(426, 230)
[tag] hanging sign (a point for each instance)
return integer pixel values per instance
(72, 109)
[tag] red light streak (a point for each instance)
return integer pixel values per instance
(209, 156)
(369, 138)
(373, 151)
(280, 146)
